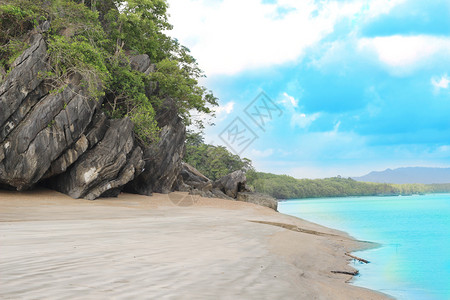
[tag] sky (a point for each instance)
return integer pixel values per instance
(317, 89)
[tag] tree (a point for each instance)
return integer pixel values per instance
(212, 161)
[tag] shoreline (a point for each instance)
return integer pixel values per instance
(174, 246)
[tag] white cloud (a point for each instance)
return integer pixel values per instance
(302, 120)
(441, 83)
(298, 118)
(444, 149)
(336, 127)
(225, 109)
(403, 53)
(221, 113)
(291, 99)
(260, 154)
(230, 36)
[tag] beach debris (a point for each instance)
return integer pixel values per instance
(357, 258)
(354, 273)
(293, 228)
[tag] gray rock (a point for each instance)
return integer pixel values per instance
(53, 125)
(229, 187)
(23, 79)
(219, 194)
(66, 142)
(61, 139)
(44, 27)
(259, 199)
(232, 183)
(142, 64)
(162, 160)
(191, 174)
(194, 179)
(2, 73)
(112, 163)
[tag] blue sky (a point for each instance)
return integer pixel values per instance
(360, 85)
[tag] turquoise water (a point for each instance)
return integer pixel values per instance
(414, 259)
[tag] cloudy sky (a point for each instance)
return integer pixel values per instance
(349, 86)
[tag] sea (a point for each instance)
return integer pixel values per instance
(413, 259)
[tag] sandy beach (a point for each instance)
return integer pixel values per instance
(166, 247)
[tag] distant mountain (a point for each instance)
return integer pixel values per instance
(408, 175)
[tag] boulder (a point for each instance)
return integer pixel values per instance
(219, 194)
(232, 184)
(229, 187)
(142, 64)
(193, 178)
(259, 199)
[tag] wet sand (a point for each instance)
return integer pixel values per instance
(166, 247)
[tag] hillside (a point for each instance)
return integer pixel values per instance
(408, 175)
(287, 187)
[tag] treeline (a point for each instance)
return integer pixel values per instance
(287, 187)
(212, 161)
(216, 161)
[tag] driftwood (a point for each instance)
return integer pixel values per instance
(346, 272)
(358, 258)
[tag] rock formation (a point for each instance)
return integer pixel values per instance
(232, 184)
(258, 198)
(230, 187)
(163, 159)
(64, 141)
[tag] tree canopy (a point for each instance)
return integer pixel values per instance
(287, 187)
(212, 161)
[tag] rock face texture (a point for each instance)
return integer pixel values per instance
(232, 184)
(163, 160)
(192, 181)
(191, 177)
(258, 198)
(105, 168)
(61, 139)
(65, 141)
(230, 187)
(18, 87)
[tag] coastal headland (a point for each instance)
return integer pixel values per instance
(174, 246)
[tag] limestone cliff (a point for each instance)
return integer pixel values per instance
(65, 141)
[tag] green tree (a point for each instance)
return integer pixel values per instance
(212, 161)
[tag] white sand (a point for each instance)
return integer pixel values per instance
(136, 247)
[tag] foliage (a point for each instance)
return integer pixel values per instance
(16, 18)
(138, 27)
(212, 161)
(94, 39)
(69, 57)
(287, 187)
(176, 83)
